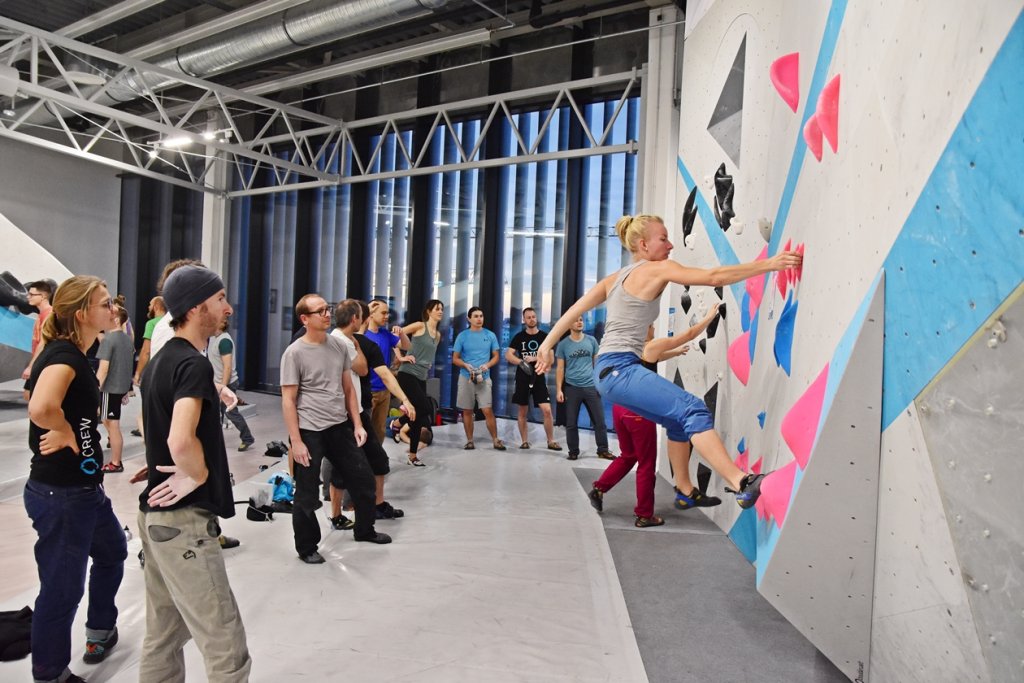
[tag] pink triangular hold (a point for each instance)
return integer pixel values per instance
(783, 276)
(738, 356)
(756, 467)
(785, 75)
(827, 112)
(742, 461)
(776, 492)
(755, 285)
(800, 426)
(812, 136)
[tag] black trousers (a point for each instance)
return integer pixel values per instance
(416, 390)
(338, 445)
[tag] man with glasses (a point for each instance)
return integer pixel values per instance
(317, 399)
(39, 295)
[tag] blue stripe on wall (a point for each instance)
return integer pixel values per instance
(961, 251)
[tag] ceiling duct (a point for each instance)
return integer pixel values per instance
(298, 28)
(294, 29)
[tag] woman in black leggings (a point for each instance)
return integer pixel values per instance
(412, 376)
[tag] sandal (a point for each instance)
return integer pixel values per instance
(554, 446)
(524, 445)
(499, 445)
(111, 467)
(644, 522)
(416, 462)
(469, 446)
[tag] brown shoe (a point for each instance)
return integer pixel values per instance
(644, 522)
(554, 446)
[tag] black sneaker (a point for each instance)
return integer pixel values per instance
(596, 499)
(342, 523)
(572, 456)
(313, 558)
(750, 490)
(378, 538)
(386, 511)
(696, 499)
(74, 679)
(135, 432)
(97, 650)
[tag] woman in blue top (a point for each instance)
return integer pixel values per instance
(633, 296)
(412, 376)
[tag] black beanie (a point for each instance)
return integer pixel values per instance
(189, 286)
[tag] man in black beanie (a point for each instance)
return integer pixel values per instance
(187, 590)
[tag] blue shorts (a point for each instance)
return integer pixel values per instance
(622, 380)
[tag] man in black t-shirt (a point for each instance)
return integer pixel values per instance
(522, 353)
(187, 590)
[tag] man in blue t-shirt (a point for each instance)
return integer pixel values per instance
(574, 379)
(377, 332)
(476, 352)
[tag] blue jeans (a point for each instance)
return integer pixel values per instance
(74, 523)
(622, 380)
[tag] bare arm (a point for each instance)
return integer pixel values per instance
(596, 296)
(493, 361)
(559, 379)
(458, 362)
(673, 271)
(353, 407)
(391, 382)
(189, 469)
(102, 371)
(290, 413)
(664, 348)
(403, 338)
(186, 449)
(359, 364)
(143, 360)
(227, 360)
(512, 357)
(45, 412)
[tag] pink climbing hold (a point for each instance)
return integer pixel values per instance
(812, 136)
(827, 112)
(800, 426)
(756, 467)
(785, 75)
(776, 492)
(755, 285)
(742, 461)
(738, 356)
(799, 270)
(783, 276)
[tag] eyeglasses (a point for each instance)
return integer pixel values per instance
(35, 293)
(109, 304)
(326, 310)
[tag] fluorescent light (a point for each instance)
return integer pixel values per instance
(180, 141)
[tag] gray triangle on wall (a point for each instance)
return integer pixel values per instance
(726, 121)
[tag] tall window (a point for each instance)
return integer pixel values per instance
(388, 220)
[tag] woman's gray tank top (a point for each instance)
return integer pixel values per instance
(628, 317)
(423, 348)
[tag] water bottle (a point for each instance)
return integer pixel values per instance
(671, 320)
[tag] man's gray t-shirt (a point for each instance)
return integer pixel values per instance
(216, 349)
(317, 369)
(117, 348)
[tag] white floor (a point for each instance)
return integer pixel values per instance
(500, 571)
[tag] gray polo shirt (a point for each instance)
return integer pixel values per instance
(317, 369)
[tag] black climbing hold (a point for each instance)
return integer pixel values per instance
(689, 214)
(685, 302)
(679, 381)
(719, 291)
(703, 477)
(711, 399)
(703, 344)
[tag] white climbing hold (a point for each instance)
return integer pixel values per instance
(986, 533)
(988, 477)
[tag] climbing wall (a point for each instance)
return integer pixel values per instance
(880, 383)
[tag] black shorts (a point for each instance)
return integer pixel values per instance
(524, 391)
(111, 406)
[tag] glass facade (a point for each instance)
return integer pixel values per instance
(360, 239)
